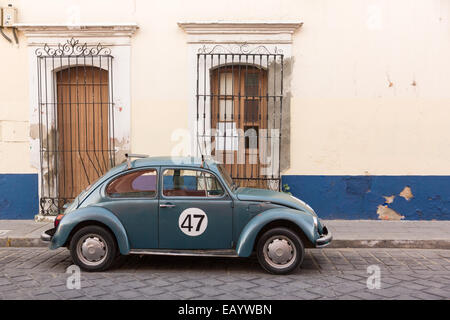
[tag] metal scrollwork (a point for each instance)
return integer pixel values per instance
(238, 49)
(73, 48)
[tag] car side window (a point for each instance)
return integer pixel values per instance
(190, 183)
(136, 184)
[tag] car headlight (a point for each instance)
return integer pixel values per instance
(316, 222)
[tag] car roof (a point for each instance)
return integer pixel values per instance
(169, 161)
(164, 161)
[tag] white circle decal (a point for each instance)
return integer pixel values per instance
(193, 221)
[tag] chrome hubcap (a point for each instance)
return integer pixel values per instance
(279, 252)
(92, 249)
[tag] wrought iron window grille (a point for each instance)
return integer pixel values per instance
(76, 119)
(239, 104)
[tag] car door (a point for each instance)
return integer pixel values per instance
(133, 198)
(195, 211)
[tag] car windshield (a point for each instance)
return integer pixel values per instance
(226, 177)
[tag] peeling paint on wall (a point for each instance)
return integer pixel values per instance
(390, 83)
(122, 146)
(386, 213)
(389, 199)
(406, 193)
(34, 131)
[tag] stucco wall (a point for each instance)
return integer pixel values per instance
(370, 86)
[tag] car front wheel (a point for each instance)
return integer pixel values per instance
(280, 251)
(93, 248)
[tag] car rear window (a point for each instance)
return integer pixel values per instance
(135, 184)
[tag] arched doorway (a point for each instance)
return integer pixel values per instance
(82, 128)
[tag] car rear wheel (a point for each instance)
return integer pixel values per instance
(93, 248)
(280, 251)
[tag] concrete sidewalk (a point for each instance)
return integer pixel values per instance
(389, 234)
(22, 233)
(346, 233)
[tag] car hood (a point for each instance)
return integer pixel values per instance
(281, 198)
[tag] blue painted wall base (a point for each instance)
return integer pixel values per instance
(18, 196)
(358, 197)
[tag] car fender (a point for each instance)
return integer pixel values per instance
(248, 235)
(92, 213)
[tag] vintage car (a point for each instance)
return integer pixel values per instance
(184, 206)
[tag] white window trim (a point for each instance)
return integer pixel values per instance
(259, 32)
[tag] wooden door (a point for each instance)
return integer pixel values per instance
(82, 128)
(239, 101)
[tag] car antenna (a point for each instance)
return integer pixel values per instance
(133, 155)
(202, 155)
(203, 162)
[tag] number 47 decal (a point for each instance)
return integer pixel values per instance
(193, 221)
(188, 220)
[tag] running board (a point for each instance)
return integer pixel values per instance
(196, 253)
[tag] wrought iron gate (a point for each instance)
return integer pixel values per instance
(76, 120)
(239, 104)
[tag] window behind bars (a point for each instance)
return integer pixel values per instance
(239, 113)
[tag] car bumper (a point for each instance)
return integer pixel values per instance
(324, 239)
(48, 235)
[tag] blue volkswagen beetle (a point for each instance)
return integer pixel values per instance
(184, 206)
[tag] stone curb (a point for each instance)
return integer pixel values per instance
(403, 244)
(22, 242)
(337, 243)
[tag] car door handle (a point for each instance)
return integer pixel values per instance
(166, 205)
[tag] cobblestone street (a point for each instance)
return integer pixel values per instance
(38, 273)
